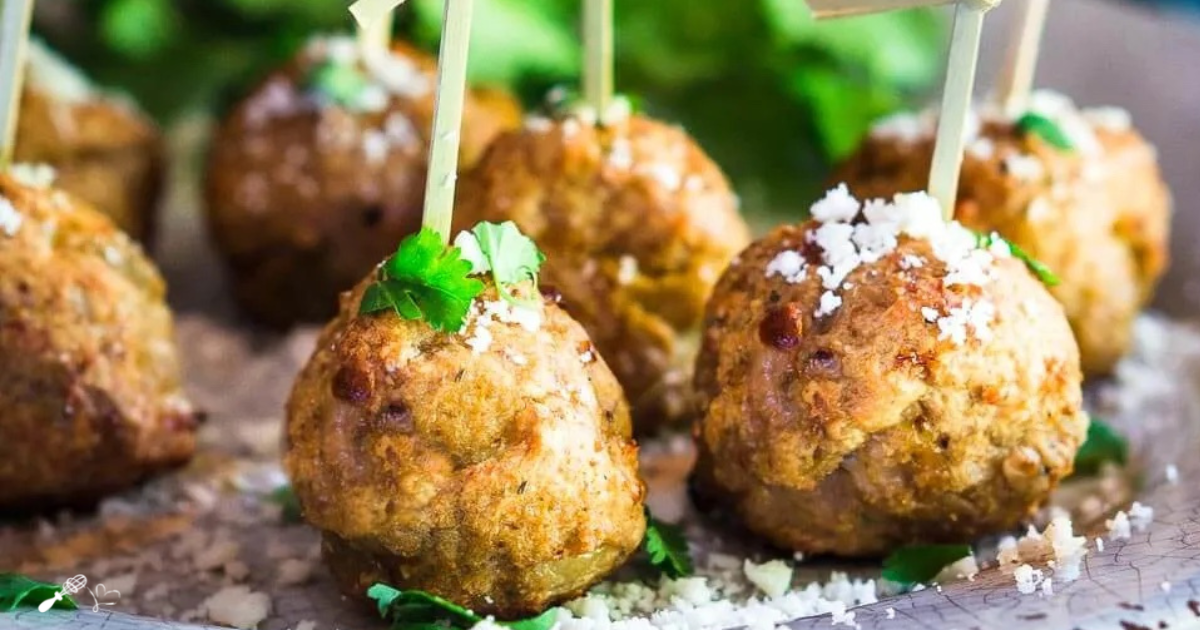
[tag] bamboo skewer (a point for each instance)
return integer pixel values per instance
(956, 104)
(1016, 79)
(375, 19)
(598, 55)
(15, 16)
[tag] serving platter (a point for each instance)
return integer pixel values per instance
(174, 544)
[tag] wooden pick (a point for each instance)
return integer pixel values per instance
(447, 117)
(374, 18)
(828, 9)
(1016, 79)
(598, 57)
(15, 16)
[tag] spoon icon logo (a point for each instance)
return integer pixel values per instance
(72, 586)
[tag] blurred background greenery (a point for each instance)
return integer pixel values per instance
(771, 95)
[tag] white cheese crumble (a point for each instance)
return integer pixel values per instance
(773, 578)
(1109, 118)
(10, 219)
(1140, 516)
(1118, 527)
(976, 315)
(905, 127)
(1172, 473)
(1099, 544)
(237, 606)
(484, 314)
(846, 245)
(34, 175)
(665, 174)
(1026, 168)
(538, 124)
(1028, 579)
(627, 269)
(620, 154)
(982, 149)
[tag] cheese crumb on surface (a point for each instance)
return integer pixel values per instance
(1118, 527)
(484, 315)
(1172, 473)
(1069, 549)
(772, 578)
(10, 219)
(963, 569)
(538, 124)
(1028, 579)
(34, 175)
(1026, 168)
(1109, 118)
(627, 269)
(788, 264)
(891, 612)
(1140, 516)
(829, 303)
(237, 606)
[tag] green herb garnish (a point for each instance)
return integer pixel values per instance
(425, 279)
(418, 610)
(667, 548)
(1039, 269)
(919, 564)
(18, 591)
(501, 249)
(289, 505)
(341, 83)
(1103, 445)
(1046, 129)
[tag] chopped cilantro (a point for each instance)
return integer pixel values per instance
(341, 83)
(418, 610)
(1103, 444)
(1039, 269)
(918, 564)
(285, 498)
(510, 256)
(18, 591)
(1046, 129)
(425, 279)
(667, 548)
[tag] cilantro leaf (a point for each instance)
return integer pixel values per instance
(425, 279)
(285, 498)
(918, 564)
(342, 84)
(18, 591)
(1103, 444)
(667, 548)
(1037, 267)
(1046, 129)
(418, 610)
(510, 256)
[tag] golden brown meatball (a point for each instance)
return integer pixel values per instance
(492, 468)
(636, 222)
(862, 391)
(89, 377)
(306, 195)
(104, 150)
(1097, 215)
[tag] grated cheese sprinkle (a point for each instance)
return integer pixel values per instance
(10, 219)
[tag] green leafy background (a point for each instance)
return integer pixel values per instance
(773, 96)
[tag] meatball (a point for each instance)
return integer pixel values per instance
(103, 149)
(492, 467)
(636, 222)
(305, 195)
(871, 383)
(89, 377)
(1098, 215)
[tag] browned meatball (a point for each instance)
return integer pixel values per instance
(306, 195)
(1098, 215)
(89, 377)
(492, 468)
(865, 392)
(104, 150)
(637, 223)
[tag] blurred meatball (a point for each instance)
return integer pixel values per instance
(492, 467)
(89, 377)
(306, 194)
(104, 150)
(1098, 215)
(864, 388)
(636, 222)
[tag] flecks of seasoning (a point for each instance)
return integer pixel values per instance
(781, 327)
(824, 362)
(521, 488)
(352, 385)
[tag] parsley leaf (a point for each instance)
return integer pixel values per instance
(425, 279)
(341, 83)
(18, 591)
(510, 256)
(1103, 444)
(667, 548)
(1046, 129)
(918, 564)
(1039, 269)
(285, 498)
(418, 610)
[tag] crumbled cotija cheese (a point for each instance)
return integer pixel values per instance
(1172, 473)
(1026, 168)
(1028, 579)
(627, 269)
(1118, 527)
(34, 175)
(789, 264)
(772, 578)
(1140, 516)
(237, 606)
(10, 219)
(538, 124)
(484, 314)
(1109, 118)
(620, 154)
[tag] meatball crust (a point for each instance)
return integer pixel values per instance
(304, 197)
(104, 150)
(89, 377)
(503, 479)
(863, 430)
(636, 223)
(1100, 222)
